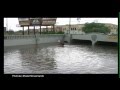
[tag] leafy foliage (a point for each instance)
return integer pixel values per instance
(95, 27)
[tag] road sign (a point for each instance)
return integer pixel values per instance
(35, 22)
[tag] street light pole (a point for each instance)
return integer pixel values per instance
(78, 19)
(69, 24)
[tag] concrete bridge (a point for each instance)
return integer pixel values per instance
(94, 38)
(13, 40)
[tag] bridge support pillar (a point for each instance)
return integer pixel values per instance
(93, 43)
(23, 30)
(69, 38)
(28, 30)
(34, 30)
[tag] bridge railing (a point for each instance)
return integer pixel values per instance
(74, 32)
(18, 36)
(10, 37)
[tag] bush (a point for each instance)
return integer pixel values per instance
(52, 32)
(60, 32)
(9, 32)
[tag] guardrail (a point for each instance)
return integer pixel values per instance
(18, 36)
(28, 36)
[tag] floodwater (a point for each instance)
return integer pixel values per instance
(55, 59)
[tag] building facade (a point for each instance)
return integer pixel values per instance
(113, 28)
(75, 28)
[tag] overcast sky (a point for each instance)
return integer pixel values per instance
(13, 22)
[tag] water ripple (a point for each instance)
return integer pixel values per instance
(70, 59)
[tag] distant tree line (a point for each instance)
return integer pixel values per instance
(9, 32)
(20, 32)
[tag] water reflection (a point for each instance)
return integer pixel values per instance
(38, 59)
(12, 62)
(75, 59)
(70, 59)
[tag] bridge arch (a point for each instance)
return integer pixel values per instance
(78, 41)
(106, 43)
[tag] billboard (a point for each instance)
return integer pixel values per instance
(48, 21)
(45, 23)
(24, 21)
(37, 21)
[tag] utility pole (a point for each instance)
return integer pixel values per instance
(78, 19)
(6, 24)
(69, 24)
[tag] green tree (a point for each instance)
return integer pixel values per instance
(95, 27)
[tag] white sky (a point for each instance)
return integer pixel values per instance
(13, 22)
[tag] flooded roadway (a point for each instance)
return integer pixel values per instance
(54, 59)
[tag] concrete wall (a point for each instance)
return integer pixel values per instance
(27, 40)
(49, 38)
(52, 38)
(96, 37)
(68, 38)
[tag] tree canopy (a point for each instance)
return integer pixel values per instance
(96, 27)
